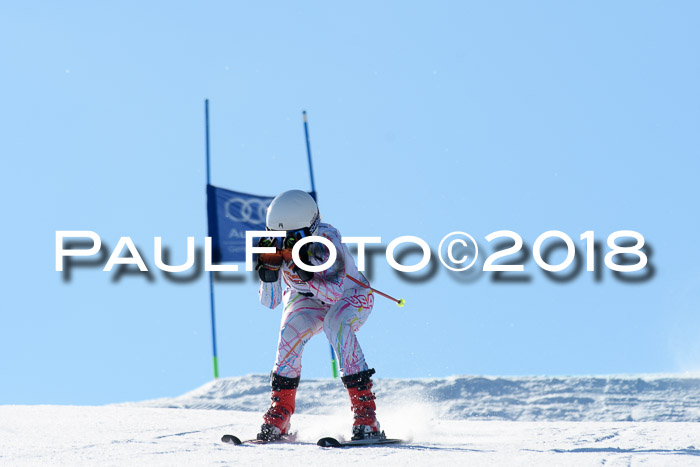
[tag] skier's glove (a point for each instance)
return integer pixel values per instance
(305, 276)
(269, 266)
(267, 241)
(269, 263)
(286, 255)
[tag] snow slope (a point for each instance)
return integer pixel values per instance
(451, 421)
(609, 398)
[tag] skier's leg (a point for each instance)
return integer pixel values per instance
(343, 320)
(302, 318)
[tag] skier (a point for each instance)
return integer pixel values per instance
(314, 302)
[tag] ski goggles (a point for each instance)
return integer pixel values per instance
(293, 236)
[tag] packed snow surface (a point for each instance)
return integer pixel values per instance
(623, 420)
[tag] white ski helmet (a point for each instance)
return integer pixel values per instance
(293, 210)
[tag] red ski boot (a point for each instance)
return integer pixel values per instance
(362, 398)
(276, 419)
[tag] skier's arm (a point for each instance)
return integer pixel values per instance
(270, 293)
(327, 285)
(268, 267)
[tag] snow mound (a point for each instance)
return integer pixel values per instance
(661, 398)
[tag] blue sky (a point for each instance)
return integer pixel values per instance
(425, 118)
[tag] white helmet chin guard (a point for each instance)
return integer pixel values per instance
(293, 210)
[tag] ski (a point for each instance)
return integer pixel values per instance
(334, 443)
(235, 440)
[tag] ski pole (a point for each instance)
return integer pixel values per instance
(400, 302)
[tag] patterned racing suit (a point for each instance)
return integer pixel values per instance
(328, 302)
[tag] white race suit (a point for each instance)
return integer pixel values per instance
(330, 302)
